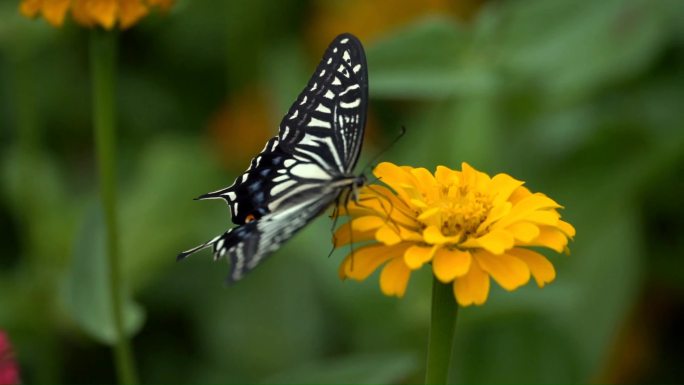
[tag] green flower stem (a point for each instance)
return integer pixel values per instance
(103, 48)
(442, 327)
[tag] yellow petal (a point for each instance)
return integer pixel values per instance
(360, 209)
(433, 236)
(30, 8)
(495, 241)
(446, 176)
(387, 235)
(387, 196)
(524, 231)
(527, 206)
(468, 175)
(104, 12)
(363, 261)
(81, 14)
(503, 186)
(550, 237)
(519, 194)
(410, 234)
(367, 223)
(508, 271)
(413, 196)
(379, 201)
(542, 270)
(55, 10)
(417, 256)
(537, 201)
(567, 228)
(425, 182)
(130, 12)
(429, 213)
(472, 288)
(448, 264)
(385, 204)
(418, 203)
(477, 180)
(344, 236)
(545, 217)
(497, 212)
(394, 278)
(424, 177)
(393, 176)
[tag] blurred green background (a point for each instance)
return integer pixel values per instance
(582, 100)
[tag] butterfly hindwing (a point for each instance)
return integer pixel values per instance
(319, 138)
(248, 245)
(256, 240)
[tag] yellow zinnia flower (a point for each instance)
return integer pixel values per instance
(468, 225)
(105, 13)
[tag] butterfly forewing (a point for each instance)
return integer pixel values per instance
(329, 115)
(319, 138)
(306, 165)
(250, 193)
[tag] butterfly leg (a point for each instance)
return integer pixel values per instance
(381, 199)
(335, 215)
(349, 193)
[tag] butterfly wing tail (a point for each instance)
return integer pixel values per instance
(238, 245)
(217, 244)
(220, 194)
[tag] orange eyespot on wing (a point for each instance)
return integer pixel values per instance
(249, 218)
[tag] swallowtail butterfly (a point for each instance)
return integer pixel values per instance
(303, 169)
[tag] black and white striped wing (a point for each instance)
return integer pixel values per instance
(319, 138)
(326, 123)
(251, 243)
(302, 169)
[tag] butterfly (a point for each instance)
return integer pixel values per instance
(305, 168)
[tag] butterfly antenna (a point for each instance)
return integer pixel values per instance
(387, 148)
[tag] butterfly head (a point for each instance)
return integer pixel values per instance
(360, 180)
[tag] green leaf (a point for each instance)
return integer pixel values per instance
(86, 293)
(158, 215)
(513, 347)
(430, 59)
(384, 368)
(571, 48)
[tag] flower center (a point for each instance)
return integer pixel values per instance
(463, 210)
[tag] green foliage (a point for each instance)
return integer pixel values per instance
(582, 100)
(86, 285)
(357, 369)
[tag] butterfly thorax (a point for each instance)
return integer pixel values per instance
(353, 181)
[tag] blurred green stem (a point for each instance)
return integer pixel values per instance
(30, 216)
(103, 47)
(442, 327)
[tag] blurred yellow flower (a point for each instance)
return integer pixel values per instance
(369, 19)
(105, 13)
(468, 225)
(239, 128)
